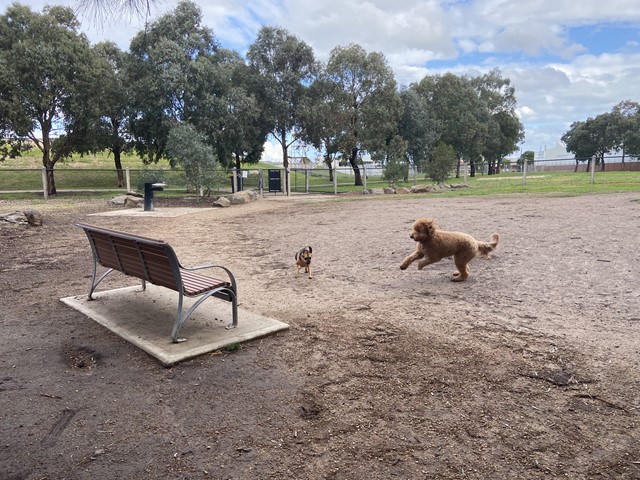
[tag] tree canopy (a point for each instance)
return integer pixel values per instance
(363, 103)
(284, 68)
(47, 81)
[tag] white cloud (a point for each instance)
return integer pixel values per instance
(272, 152)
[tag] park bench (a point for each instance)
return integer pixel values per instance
(155, 261)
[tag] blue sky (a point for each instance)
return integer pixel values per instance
(568, 60)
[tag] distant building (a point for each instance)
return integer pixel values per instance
(558, 158)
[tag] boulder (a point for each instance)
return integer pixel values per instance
(129, 200)
(402, 191)
(33, 218)
(419, 189)
(133, 202)
(26, 217)
(222, 202)
(389, 191)
(238, 198)
(377, 191)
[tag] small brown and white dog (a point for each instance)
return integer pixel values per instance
(434, 244)
(303, 260)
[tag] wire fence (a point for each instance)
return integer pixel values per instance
(272, 180)
(90, 180)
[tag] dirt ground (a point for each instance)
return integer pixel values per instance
(528, 370)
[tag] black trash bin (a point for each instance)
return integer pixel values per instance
(275, 182)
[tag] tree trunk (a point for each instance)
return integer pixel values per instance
(458, 166)
(118, 162)
(51, 182)
(354, 165)
(472, 168)
(602, 163)
(285, 160)
(48, 164)
(329, 163)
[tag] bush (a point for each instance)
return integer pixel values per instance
(443, 161)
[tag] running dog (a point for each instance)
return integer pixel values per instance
(303, 260)
(434, 244)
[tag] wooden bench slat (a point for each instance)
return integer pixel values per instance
(196, 284)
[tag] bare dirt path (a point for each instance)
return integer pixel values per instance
(527, 370)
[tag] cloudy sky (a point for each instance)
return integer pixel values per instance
(568, 60)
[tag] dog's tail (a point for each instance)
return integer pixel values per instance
(486, 247)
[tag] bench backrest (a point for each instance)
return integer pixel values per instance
(141, 257)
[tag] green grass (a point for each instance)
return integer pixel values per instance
(102, 160)
(96, 172)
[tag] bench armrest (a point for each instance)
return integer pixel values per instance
(232, 279)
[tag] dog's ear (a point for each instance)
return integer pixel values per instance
(310, 249)
(430, 226)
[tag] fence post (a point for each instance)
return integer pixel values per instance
(306, 180)
(128, 178)
(593, 169)
(524, 171)
(364, 177)
(287, 175)
(261, 182)
(335, 177)
(45, 190)
(415, 175)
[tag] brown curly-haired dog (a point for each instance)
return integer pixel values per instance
(435, 244)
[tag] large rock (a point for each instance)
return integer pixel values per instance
(238, 198)
(420, 189)
(128, 200)
(402, 191)
(33, 218)
(389, 191)
(222, 202)
(26, 217)
(245, 196)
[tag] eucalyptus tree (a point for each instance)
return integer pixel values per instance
(459, 112)
(285, 67)
(626, 127)
(363, 102)
(47, 81)
(577, 140)
(419, 127)
(593, 137)
(317, 119)
(176, 76)
(245, 126)
(113, 104)
(504, 130)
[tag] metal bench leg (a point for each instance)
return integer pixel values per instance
(234, 311)
(95, 283)
(180, 319)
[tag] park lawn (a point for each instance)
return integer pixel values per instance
(97, 172)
